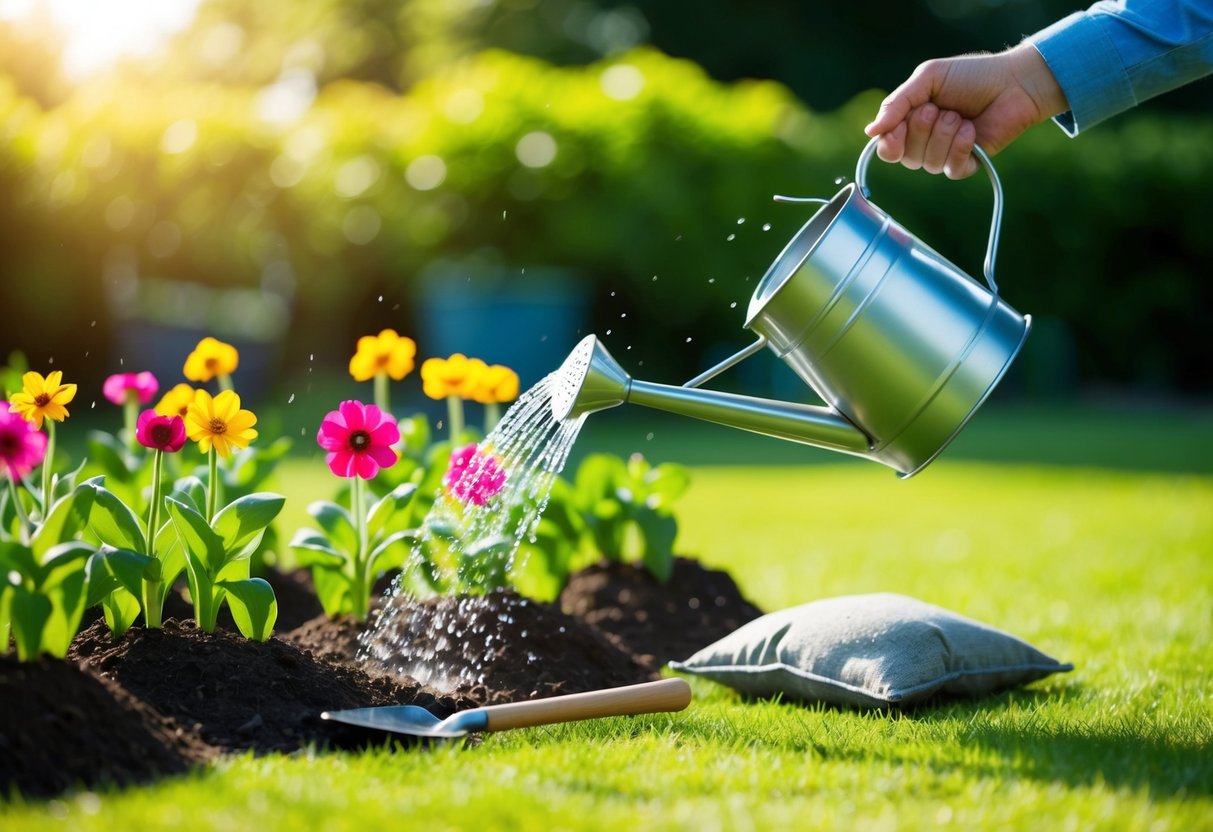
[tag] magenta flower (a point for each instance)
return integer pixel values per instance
(119, 387)
(22, 446)
(359, 439)
(160, 433)
(473, 476)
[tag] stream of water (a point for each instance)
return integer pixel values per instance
(490, 504)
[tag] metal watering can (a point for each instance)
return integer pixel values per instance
(901, 345)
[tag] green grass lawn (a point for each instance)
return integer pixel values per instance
(1109, 569)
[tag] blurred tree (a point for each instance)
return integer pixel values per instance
(29, 56)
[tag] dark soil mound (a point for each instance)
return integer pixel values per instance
(498, 647)
(61, 728)
(239, 694)
(658, 623)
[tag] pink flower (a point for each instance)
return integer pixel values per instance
(160, 433)
(359, 439)
(22, 446)
(473, 476)
(120, 386)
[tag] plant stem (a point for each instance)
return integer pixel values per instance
(130, 415)
(382, 393)
(454, 410)
(492, 415)
(212, 484)
(224, 381)
(152, 602)
(361, 589)
(47, 464)
(21, 515)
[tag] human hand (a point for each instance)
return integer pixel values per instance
(936, 116)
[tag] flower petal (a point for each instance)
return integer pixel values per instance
(354, 415)
(367, 467)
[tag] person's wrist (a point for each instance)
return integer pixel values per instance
(1033, 75)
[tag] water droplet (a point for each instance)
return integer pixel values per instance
(766, 226)
(654, 278)
(649, 436)
(623, 314)
(395, 307)
(608, 332)
(733, 305)
(303, 431)
(688, 339)
(94, 323)
(291, 400)
(312, 357)
(711, 280)
(612, 294)
(381, 298)
(730, 238)
(838, 180)
(629, 346)
(678, 238)
(121, 362)
(94, 404)
(86, 352)
(503, 215)
(741, 220)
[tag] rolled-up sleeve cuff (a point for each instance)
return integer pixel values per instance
(1089, 69)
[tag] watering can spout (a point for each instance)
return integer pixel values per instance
(590, 379)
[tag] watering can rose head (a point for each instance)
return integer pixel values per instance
(22, 446)
(43, 398)
(474, 476)
(359, 439)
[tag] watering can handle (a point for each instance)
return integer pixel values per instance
(861, 182)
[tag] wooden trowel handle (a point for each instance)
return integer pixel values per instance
(648, 698)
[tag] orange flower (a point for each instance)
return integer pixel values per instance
(386, 352)
(496, 383)
(211, 358)
(455, 376)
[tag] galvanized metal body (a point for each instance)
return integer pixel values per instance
(901, 345)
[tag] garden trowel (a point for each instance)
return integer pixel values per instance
(650, 697)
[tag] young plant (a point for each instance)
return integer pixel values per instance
(138, 563)
(44, 567)
(356, 546)
(218, 543)
(626, 509)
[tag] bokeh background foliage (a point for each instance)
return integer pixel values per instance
(291, 175)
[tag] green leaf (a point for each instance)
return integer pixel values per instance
(254, 607)
(171, 555)
(191, 492)
(666, 483)
(106, 454)
(131, 569)
(659, 531)
(29, 613)
(65, 520)
(312, 548)
(392, 551)
(334, 590)
(61, 486)
(114, 523)
(337, 524)
(596, 479)
(67, 607)
(99, 580)
(200, 541)
(6, 614)
(254, 465)
(17, 557)
(120, 609)
(394, 502)
(63, 561)
(242, 522)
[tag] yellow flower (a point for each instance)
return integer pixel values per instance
(220, 422)
(211, 358)
(176, 402)
(386, 352)
(496, 384)
(43, 398)
(454, 376)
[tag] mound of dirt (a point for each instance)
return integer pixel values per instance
(497, 647)
(61, 728)
(237, 694)
(655, 622)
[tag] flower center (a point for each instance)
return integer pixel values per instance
(359, 440)
(382, 359)
(162, 434)
(212, 364)
(217, 426)
(9, 444)
(42, 400)
(183, 410)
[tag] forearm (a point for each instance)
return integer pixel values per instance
(1116, 55)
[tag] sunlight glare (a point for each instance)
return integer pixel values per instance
(100, 32)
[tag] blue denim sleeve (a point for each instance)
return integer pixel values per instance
(1115, 55)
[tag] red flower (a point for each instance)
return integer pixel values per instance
(22, 446)
(472, 476)
(160, 433)
(359, 439)
(120, 385)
